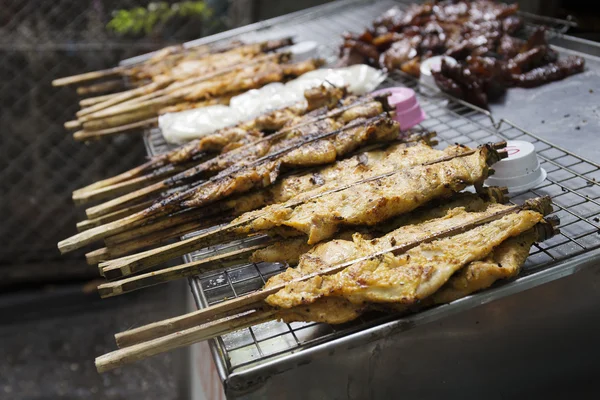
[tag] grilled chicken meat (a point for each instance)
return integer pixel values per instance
(504, 262)
(374, 201)
(400, 280)
(343, 172)
(250, 77)
(359, 132)
(249, 131)
(175, 62)
(289, 250)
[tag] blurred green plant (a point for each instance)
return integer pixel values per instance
(140, 21)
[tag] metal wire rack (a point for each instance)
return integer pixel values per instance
(571, 182)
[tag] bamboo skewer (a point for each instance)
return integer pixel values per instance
(125, 186)
(88, 76)
(194, 215)
(91, 223)
(157, 237)
(152, 164)
(179, 339)
(255, 299)
(103, 87)
(138, 262)
(181, 271)
(97, 134)
(124, 96)
(90, 101)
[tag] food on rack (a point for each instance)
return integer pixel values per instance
(291, 249)
(184, 126)
(413, 151)
(222, 141)
(439, 255)
(319, 216)
(254, 74)
(293, 147)
(173, 59)
(478, 34)
(431, 273)
(373, 201)
(284, 149)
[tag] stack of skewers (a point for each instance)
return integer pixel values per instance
(371, 217)
(176, 79)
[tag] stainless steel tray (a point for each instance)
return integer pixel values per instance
(248, 358)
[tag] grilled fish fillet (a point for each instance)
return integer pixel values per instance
(372, 202)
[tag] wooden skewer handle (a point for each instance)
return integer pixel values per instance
(88, 76)
(175, 340)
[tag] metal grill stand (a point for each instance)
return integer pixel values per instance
(270, 358)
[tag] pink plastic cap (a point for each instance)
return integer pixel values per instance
(408, 110)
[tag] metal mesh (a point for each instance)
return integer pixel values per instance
(40, 163)
(571, 183)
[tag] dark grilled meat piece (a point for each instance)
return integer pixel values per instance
(550, 72)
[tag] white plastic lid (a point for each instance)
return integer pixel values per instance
(520, 171)
(303, 51)
(433, 64)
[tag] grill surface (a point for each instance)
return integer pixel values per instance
(260, 351)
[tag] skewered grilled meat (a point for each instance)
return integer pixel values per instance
(290, 250)
(369, 163)
(233, 179)
(408, 277)
(242, 177)
(364, 165)
(550, 72)
(359, 132)
(223, 140)
(316, 98)
(374, 201)
(504, 262)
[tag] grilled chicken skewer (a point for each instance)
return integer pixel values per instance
(378, 129)
(170, 86)
(366, 164)
(165, 59)
(372, 200)
(462, 203)
(419, 277)
(369, 163)
(254, 151)
(263, 248)
(409, 276)
(267, 150)
(249, 77)
(223, 140)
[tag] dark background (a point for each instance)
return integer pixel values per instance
(52, 323)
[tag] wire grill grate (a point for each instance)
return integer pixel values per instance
(571, 182)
